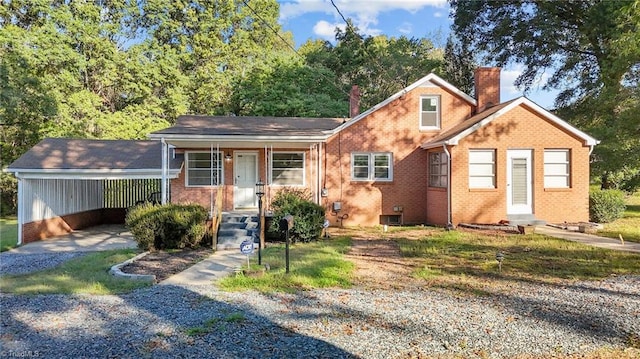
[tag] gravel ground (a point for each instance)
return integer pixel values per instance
(20, 263)
(201, 321)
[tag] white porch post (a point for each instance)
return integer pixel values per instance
(20, 208)
(165, 161)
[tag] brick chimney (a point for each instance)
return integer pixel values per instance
(354, 101)
(487, 83)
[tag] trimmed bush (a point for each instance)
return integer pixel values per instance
(606, 205)
(308, 217)
(167, 226)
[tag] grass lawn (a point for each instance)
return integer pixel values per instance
(312, 265)
(465, 259)
(8, 233)
(84, 275)
(629, 225)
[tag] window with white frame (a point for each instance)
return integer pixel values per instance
(371, 167)
(429, 112)
(438, 169)
(557, 167)
(482, 169)
(204, 169)
(287, 168)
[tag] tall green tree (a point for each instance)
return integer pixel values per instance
(459, 65)
(379, 65)
(592, 51)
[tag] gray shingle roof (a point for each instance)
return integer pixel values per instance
(85, 154)
(251, 126)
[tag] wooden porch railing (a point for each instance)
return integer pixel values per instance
(216, 216)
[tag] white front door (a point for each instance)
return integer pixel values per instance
(519, 182)
(245, 178)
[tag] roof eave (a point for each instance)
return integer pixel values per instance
(241, 138)
(42, 173)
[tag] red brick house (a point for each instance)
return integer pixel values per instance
(428, 154)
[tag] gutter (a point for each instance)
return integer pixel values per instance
(446, 151)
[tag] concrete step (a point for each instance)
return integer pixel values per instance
(232, 243)
(525, 220)
(235, 228)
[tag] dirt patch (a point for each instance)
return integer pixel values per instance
(165, 264)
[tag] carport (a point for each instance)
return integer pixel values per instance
(69, 184)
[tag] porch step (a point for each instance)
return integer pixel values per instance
(525, 220)
(236, 228)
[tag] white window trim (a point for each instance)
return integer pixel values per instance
(567, 175)
(371, 167)
(186, 173)
(304, 169)
(438, 113)
(446, 165)
(493, 163)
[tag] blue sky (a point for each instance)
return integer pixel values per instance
(317, 19)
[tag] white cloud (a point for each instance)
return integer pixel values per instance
(326, 30)
(405, 28)
(438, 14)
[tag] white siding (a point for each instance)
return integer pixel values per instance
(51, 198)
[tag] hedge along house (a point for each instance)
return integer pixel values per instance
(69, 184)
(428, 154)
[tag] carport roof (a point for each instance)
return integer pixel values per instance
(95, 158)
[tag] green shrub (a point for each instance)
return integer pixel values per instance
(606, 205)
(167, 226)
(308, 217)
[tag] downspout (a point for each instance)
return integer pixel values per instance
(165, 160)
(591, 148)
(319, 172)
(446, 151)
(20, 208)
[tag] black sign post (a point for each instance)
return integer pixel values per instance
(286, 223)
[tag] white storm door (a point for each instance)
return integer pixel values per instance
(519, 183)
(245, 178)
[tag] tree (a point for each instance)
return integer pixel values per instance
(593, 52)
(578, 41)
(459, 65)
(379, 65)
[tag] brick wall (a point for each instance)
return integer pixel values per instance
(180, 193)
(393, 128)
(521, 128)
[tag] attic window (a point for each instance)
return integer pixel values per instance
(430, 112)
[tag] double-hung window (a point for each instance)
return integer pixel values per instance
(204, 169)
(371, 166)
(430, 112)
(438, 169)
(482, 169)
(287, 168)
(557, 168)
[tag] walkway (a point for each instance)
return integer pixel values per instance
(589, 239)
(214, 267)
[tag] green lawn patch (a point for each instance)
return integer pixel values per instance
(629, 225)
(8, 233)
(312, 265)
(85, 275)
(466, 255)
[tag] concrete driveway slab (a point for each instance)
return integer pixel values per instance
(98, 238)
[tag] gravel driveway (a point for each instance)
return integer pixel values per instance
(200, 321)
